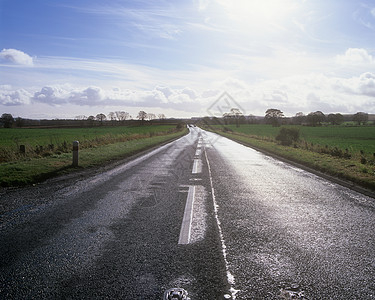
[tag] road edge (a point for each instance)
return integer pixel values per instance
(346, 183)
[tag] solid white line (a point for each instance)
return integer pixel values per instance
(230, 277)
(188, 217)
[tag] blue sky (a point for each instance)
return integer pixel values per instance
(61, 59)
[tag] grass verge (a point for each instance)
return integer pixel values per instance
(349, 170)
(34, 170)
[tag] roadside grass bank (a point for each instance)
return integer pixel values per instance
(41, 142)
(31, 170)
(357, 167)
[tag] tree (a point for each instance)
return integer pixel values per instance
(122, 115)
(151, 116)
(7, 120)
(142, 116)
(335, 119)
(19, 122)
(360, 117)
(101, 118)
(237, 115)
(252, 119)
(91, 120)
(161, 116)
(299, 118)
(273, 115)
(315, 118)
(81, 117)
(112, 117)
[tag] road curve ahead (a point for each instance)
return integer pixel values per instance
(202, 213)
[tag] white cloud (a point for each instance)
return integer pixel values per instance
(203, 4)
(17, 57)
(96, 96)
(9, 97)
(355, 56)
(362, 85)
(52, 95)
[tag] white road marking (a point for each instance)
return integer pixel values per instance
(230, 277)
(188, 217)
(197, 166)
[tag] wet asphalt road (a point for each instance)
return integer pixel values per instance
(256, 228)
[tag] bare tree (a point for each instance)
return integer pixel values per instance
(161, 116)
(122, 115)
(151, 116)
(112, 117)
(81, 117)
(142, 115)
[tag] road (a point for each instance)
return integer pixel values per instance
(204, 213)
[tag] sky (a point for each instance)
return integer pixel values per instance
(68, 58)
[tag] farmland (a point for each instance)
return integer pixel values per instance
(48, 151)
(347, 152)
(41, 141)
(353, 138)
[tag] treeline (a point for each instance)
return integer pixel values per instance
(119, 118)
(276, 117)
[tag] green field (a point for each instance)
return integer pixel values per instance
(353, 138)
(12, 137)
(346, 152)
(47, 141)
(98, 147)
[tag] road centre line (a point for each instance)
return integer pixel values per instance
(197, 166)
(230, 277)
(188, 217)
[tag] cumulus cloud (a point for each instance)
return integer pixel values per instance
(355, 56)
(96, 96)
(9, 97)
(276, 96)
(53, 95)
(16, 57)
(362, 85)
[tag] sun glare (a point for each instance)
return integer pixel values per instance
(258, 11)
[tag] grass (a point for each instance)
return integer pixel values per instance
(353, 138)
(44, 142)
(317, 148)
(30, 170)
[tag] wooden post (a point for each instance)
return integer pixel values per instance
(22, 149)
(75, 153)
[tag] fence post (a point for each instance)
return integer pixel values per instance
(22, 149)
(75, 153)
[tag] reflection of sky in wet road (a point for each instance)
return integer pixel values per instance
(285, 226)
(202, 213)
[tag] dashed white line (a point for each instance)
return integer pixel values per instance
(197, 166)
(188, 217)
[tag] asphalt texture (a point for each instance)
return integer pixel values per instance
(260, 229)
